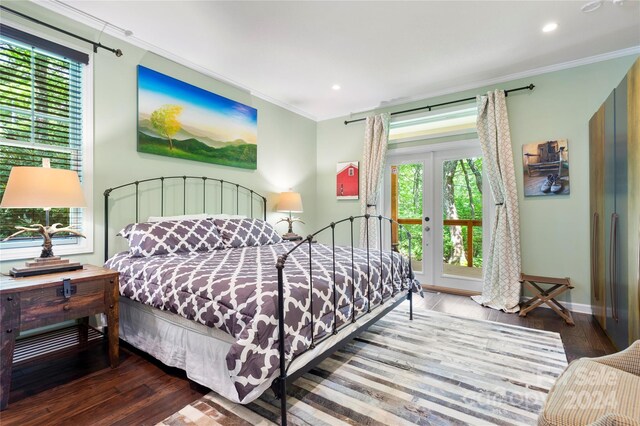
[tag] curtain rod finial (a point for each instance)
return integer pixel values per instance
(118, 52)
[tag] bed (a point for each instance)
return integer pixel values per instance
(215, 312)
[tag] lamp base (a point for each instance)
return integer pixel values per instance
(290, 236)
(45, 265)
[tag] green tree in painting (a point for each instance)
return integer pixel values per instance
(165, 121)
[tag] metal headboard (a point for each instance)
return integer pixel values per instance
(221, 183)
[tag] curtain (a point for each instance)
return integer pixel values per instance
(375, 151)
(501, 285)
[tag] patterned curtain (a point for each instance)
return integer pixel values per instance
(375, 151)
(501, 286)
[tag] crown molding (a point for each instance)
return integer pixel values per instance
(98, 24)
(634, 50)
(71, 12)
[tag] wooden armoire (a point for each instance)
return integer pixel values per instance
(614, 168)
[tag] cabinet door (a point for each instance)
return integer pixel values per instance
(633, 174)
(597, 218)
(609, 198)
(618, 323)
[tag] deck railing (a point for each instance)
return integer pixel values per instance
(469, 223)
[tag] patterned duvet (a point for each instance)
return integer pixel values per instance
(235, 290)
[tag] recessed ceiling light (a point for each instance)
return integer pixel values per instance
(551, 26)
(591, 6)
(336, 87)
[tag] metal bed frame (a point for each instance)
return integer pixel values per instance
(221, 183)
(279, 385)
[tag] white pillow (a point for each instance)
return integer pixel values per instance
(180, 217)
(226, 216)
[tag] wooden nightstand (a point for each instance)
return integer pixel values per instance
(32, 302)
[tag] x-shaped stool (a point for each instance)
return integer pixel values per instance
(559, 286)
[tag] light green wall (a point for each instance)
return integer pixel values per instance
(296, 152)
(286, 141)
(554, 231)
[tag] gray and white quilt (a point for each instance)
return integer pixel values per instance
(235, 290)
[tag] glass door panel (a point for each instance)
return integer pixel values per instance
(462, 212)
(407, 181)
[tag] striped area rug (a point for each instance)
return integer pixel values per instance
(437, 370)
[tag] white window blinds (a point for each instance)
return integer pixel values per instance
(40, 117)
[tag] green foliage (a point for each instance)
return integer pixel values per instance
(465, 170)
(39, 103)
(410, 185)
(467, 200)
(244, 156)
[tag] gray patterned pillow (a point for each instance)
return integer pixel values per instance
(246, 232)
(171, 236)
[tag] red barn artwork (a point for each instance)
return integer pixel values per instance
(347, 182)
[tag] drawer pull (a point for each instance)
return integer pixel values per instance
(9, 330)
(110, 306)
(9, 299)
(66, 307)
(60, 291)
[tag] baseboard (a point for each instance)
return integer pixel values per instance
(579, 308)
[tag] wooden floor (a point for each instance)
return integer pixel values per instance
(81, 389)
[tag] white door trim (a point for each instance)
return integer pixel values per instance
(429, 155)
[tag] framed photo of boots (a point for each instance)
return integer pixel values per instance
(545, 167)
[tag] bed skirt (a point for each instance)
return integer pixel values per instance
(199, 350)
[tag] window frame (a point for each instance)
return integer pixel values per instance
(465, 111)
(83, 245)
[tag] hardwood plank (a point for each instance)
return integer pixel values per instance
(83, 389)
(156, 411)
(98, 415)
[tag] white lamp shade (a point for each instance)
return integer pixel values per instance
(42, 187)
(290, 202)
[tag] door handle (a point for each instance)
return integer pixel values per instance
(613, 260)
(594, 256)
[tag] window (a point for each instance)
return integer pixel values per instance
(444, 122)
(43, 107)
(351, 171)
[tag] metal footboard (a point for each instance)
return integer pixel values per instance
(280, 383)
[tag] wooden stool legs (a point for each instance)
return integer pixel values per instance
(559, 286)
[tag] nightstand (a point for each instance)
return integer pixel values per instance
(38, 301)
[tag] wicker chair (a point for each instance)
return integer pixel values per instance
(601, 391)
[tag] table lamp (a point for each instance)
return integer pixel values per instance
(290, 202)
(43, 187)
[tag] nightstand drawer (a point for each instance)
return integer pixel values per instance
(45, 306)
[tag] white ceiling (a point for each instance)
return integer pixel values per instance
(378, 52)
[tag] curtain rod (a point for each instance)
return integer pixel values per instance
(97, 45)
(428, 107)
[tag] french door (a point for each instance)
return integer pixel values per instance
(442, 199)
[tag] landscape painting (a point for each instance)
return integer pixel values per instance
(177, 119)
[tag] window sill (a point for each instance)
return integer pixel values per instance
(33, 252)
